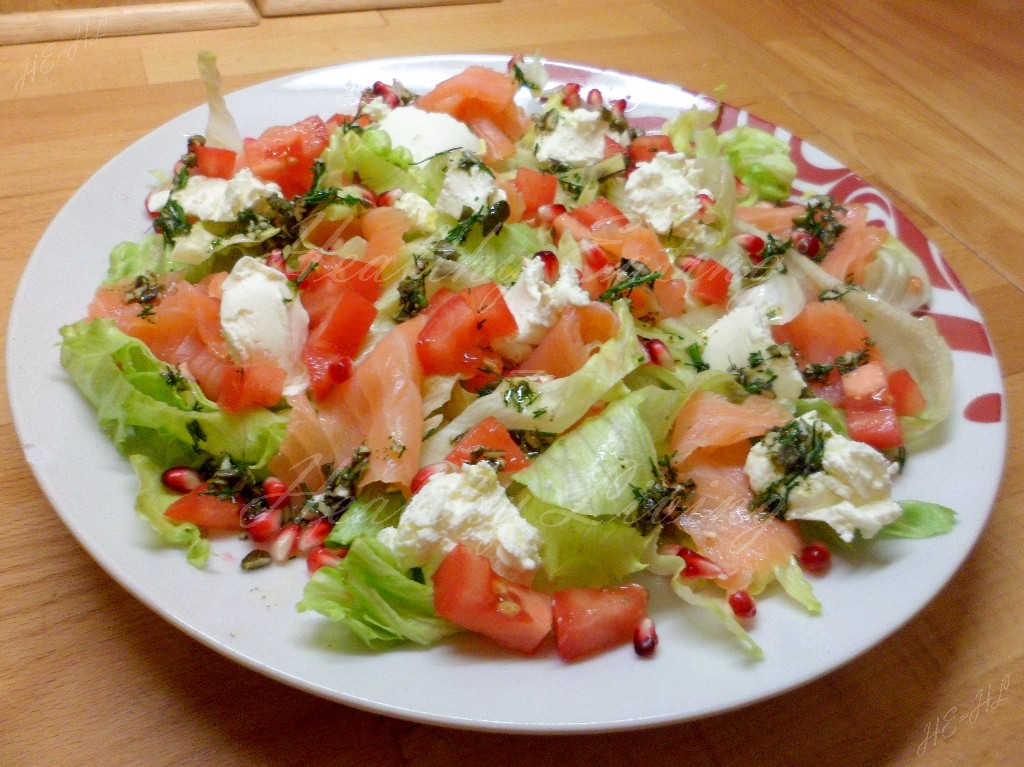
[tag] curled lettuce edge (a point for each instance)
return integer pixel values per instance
(221, 129)
(151, 503)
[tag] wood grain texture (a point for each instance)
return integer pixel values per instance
(39, 22)
(300, 7)
(923, 99)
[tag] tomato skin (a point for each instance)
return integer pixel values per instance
(711, 282)
(589, 621)
(489, 435)
(643, 148)
(213, 512)
(878, 427)
(597, 212)
(470, 594)
(906, 394)
(335, 337)
(215, 162)
(537, 189)
(284, 154)
(460, 330)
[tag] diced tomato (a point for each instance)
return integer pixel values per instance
(211, 511)
(537, 189)
(906, 394)
(215, 162)
(494, 317)
(460, 330)
(866, 384)
(470, 594)
(711, 282)
(612, 147)
(879, 427)
(284, 154)
(589, 621)
(342, 328)
(643, 148)
(332, 275)
(598, 212)
(489, 439)
(251, 385)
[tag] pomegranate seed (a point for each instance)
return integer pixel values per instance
(275, 260)
(387, 93)
(593, 255)
(645, 638)
(707, 203)
(658, 353)
(815, 558)
(321, 556)
(423, 475)
(366, 194)
(571, 95)
(264, 526)
(751, 243)
(742, 604)
(546, 214)
(275, 492)
(618, 107)
(340, 371)
(283, 547)
(550, 265)
(389, 198)
(594, 99)
(181, 479)
(313, 535)
(690, 263)
(699, 566)
(806, 244)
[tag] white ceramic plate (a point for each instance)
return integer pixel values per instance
(250, 617)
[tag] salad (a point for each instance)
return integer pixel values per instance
(491, 357)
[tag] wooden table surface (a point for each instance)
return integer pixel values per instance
(924, 99)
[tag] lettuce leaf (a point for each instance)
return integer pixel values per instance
(370, 156)
(378, 602)
(151, 503)
(761, 161)
(132, 259)
(147, 408)
(499, 257)
(580, 551)
(548, 406)
(795, 584)
(719, 607)
(889, 275)
(920, 519)
(221, 129)
(369, 513)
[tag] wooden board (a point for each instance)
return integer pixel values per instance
(299, 7)
(31, 21)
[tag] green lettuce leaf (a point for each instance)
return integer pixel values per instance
(795, 583)
(719, 607)
(148, 409)
(378, 602)
(760, 160)
(370, 156)
(369, 513)
(825, 410)
(920, 519)
(499, 257)
(132, 259)
(151, 503)
(580, 551)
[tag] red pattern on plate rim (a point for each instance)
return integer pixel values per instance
(987, 408)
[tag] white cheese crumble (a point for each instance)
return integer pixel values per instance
(746, 331)
(577, 138)
(262, 320)
(663, 191)
(851, 493)
(376, 108)
(217, 199)
(421, 213)
(536, 305)
(468, 507)
(426, 134)
(467, 190)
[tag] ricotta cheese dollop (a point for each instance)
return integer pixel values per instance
(664, 190)
(577, 138)
(468, 507)
(466, 190)
(537, 305)
(218, 199)
(852, 492)
(262, 320)
(743, 336)
(426, 134)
